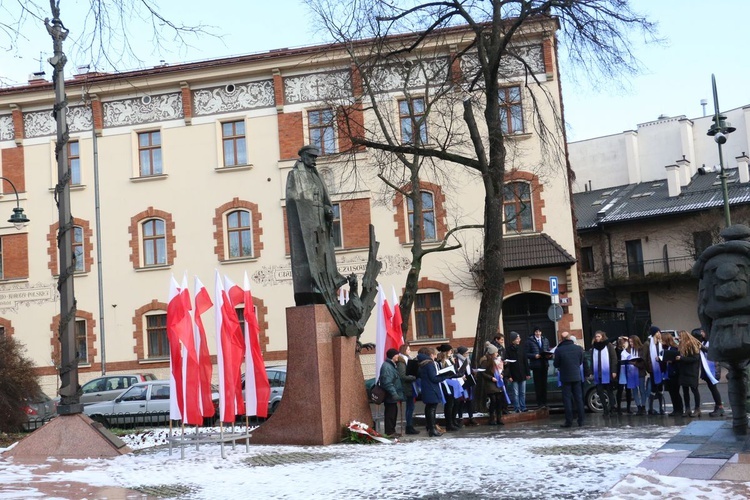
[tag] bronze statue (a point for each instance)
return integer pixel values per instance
(724, 312)
(315, 276)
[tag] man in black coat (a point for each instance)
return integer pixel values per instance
(569, 359)
(537, 349)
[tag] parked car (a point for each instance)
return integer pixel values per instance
(108, 387)
(277, 380)
(554, 392)
(39, 409)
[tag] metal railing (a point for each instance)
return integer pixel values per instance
(647, 270)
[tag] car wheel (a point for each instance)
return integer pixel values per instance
(593, 403)
(274, 407)
(101, 419)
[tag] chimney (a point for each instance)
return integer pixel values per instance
(685, 176)
(742, 168)
(673, 180)
(37, 78)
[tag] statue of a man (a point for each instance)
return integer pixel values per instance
(310, 222)
(724, 312)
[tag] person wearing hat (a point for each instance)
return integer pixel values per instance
(310, 227)
(445, 360)
(430, 380)
(538, 353)
(517, 372)
(464, 403)
(390, 381)
(492, 382)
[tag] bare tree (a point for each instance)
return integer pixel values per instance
(596, 34)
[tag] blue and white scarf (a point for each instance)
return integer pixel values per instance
(501, 384)
(656, 352)
(709, 368)
(602, 374)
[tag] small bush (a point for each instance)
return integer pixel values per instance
(17, 383)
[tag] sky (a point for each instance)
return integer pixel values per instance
(700, 38)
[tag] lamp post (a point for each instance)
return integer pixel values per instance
(18, 219)
(719, 130)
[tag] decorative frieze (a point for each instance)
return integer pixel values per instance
(17, 295)
(410, 74)
(42, 123)
(510, 67)
(146, 109)
(317, 87)
(6, 128)
(233, 97)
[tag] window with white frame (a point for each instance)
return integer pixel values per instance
(517, 207)
(78, 257)
(149, 153)
(511, 112)
(412, 119)
(338, 237)
(154, 242)
(82, 349)
(240, 234)
(233, 139)
(428, 216)
(428, 316)
(320, 124)
(156, 336)
(74, 163)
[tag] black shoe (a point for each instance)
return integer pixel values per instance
(500, 422)
(411, 430)
(718, 412)
(435, 434)
(580, 424)
(451, 428)
(566, 425)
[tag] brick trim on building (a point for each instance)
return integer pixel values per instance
(13, 169)
(98, 115)
(446, 296)
(15, 256)
(88, 246)
(187, 102)
(9, 330)
(17, 117)
(400, 217)
(135, 235)
(291, 134)
(139, 331)
(90, 336)
(537, 200)
(547, 51)
(355, 223)
(219, 220)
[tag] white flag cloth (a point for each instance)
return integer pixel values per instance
(175, 393)
(381, 331)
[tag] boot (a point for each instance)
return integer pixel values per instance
(629, 400)
(411, 430)
(472, 422)
(641, 411)
(500, 418)
(697, 412)
(431, 425)
(651, 404)
(718, 411)
(662, 404)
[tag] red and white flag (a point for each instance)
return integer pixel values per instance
(202, 304)
(230, 349)
(175, 313)
(236, 296)
(396, 332)
(190, 368)
(383, 319)
(257, 389)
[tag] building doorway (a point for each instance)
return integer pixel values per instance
(521, 313)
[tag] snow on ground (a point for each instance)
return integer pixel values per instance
(508, 463)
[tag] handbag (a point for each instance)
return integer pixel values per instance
(377, 394)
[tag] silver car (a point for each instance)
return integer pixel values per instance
(108, 387)
(39, 410)
(144, 403)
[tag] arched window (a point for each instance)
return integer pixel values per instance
(517, 207)
(154, 242)
(240, 234)
(428, 216)
(78, 255)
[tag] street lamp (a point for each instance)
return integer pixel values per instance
(719, 130)
(18, 219)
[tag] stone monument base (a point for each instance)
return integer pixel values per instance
(325, 388)
(68, 436)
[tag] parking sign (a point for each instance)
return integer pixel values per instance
(553, 285)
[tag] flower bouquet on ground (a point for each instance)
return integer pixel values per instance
(357, 432)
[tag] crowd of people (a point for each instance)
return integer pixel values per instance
(622, 370)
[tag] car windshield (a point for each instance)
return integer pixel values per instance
(136, 393)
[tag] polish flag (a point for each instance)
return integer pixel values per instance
(190, 368)
(175, 313)
(202, 304)
(236, 297)
(228, 350)
(257, 389)
(398, 337)
(382, 324)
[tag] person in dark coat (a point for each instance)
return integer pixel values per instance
(499, 342)
(491, 376)
(604, 365)
(537, 352)
(391, 382)
(672, 377)
(464, 404)
(430, 381)
(653, 354)
(517, 372)
(711, 375)
(407, 382)
(569, 361)
(690, 370)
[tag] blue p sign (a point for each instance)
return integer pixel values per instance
(553, 285)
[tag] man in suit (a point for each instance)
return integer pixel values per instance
(536, 349)
(569, 360)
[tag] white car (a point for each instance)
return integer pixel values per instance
(143, 403)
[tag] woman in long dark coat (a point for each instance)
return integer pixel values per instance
(430, 381)
(690, 370)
